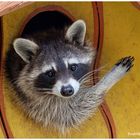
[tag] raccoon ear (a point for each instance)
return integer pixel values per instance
(25, 48)
(76, 32)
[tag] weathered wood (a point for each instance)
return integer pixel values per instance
(6, 7)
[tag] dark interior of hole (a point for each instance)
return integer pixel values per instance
(46, 20)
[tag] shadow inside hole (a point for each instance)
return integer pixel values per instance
(46, 20)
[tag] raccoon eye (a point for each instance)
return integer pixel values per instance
(74, 67)
(50, 73)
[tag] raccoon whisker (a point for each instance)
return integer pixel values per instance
(88, 82)
(89, 73)
(90, 77)
(100, 68)
(86, 85)
(44, 89)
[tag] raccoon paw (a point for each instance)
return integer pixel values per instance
(116, 73)
(120, 69)
(126, 63)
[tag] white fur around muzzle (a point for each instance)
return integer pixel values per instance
(57, 87)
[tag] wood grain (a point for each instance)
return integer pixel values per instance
(6, 7)
(136, 4)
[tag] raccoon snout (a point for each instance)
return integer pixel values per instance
(67, 90)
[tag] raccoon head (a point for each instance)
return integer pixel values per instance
(55, 66)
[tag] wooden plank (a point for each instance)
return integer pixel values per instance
(6, 7)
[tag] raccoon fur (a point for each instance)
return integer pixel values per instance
(51, 72)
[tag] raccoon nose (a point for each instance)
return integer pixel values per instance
(67, 90)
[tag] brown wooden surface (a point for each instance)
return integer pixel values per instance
(9, 6)
(98, 42)
(136, 4)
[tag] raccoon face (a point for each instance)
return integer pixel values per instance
(55, 66)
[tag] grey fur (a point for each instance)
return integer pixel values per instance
(23, 47)
(78, 31)
(49, 109)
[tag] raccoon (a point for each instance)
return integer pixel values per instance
(51, 72)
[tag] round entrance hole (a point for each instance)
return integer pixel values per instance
(44, 20)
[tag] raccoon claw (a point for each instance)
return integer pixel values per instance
(126, 62)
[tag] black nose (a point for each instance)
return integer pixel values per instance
(67, 90)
